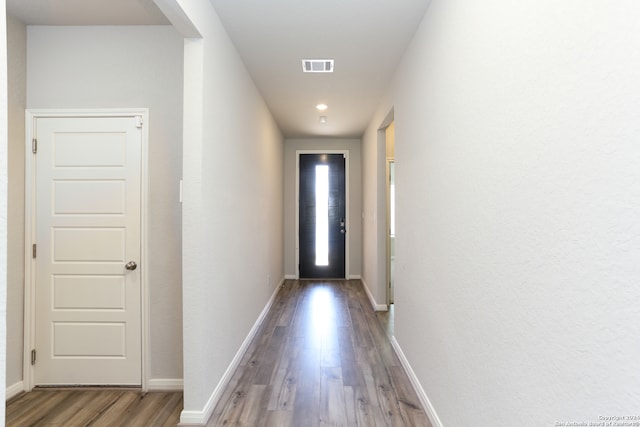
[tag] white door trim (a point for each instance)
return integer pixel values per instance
(29, 232)
(346, 196)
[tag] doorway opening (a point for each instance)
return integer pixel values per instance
(85, 297)
(391, 212)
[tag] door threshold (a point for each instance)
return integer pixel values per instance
(87, 387)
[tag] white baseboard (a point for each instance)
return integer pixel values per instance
(201, 417)
(290, 277)
(14, 390)
(355, 277)
(424, 399)
(165, 384)
(372, 300)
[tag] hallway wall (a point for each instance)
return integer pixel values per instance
(129, 66)
(355, 197)
(518, 201)
(233, 204)
(17, 101)
(3, 204)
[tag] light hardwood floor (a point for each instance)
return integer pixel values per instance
(79, 407)
(322, 357)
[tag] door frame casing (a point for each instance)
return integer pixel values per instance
(345, 153)
(29, 336)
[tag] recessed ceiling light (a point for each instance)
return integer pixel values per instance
(323, 119)
(317, 65)
(321, 107)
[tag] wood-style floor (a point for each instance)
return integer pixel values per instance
(78, 407)
(321, 358)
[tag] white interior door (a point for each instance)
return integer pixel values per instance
(87, 228)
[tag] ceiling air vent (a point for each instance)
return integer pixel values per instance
(317, 65)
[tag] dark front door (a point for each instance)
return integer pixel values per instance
(322, 216)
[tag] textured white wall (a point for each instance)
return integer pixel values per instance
(355, 198)
(232, 215)
(17, 97)
(104, 67)
(3, 201)
(518, 239)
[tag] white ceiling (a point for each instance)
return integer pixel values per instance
(86, 12)
(366, 38)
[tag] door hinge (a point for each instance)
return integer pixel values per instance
(33, 357)
(34, 145)
(138, 121)
(34, 250)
